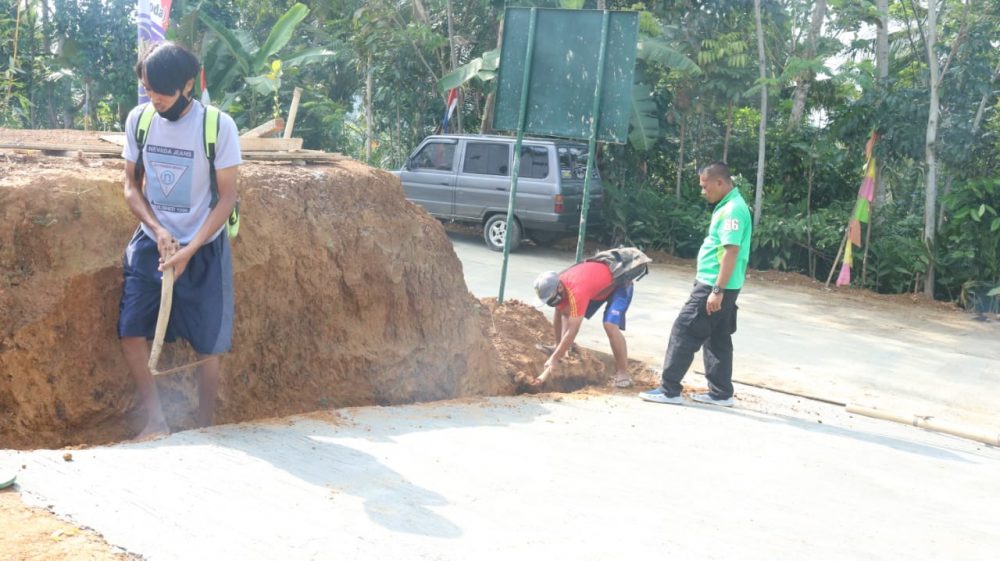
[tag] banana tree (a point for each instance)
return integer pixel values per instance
(235, 55)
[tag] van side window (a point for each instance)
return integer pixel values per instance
(486, 158)
(534, 162)
(438, 156)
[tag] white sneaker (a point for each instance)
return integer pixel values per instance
(707, 398)
(657, 395)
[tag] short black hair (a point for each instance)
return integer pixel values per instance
(717, 170)
(167, 67)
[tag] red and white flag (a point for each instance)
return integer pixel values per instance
(450, 105)
(205, 98)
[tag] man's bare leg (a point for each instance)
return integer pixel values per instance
(620, 351)
(136, 351)
(208, 389)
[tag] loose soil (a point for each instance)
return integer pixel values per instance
(32, 534)
(346, 295)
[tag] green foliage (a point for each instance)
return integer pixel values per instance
(644, 126)
(650, 218)
(971, 235)
(655, 51)
(254, 63)
(483, 68)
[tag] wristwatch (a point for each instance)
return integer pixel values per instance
(716, 289)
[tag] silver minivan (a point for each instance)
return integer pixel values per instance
(467, 178)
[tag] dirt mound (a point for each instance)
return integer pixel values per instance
(516, 328)
(346, 295)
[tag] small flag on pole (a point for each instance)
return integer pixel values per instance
(450, 105)
(861, 214)
(205, 98)
(845, 270)
(152, 19)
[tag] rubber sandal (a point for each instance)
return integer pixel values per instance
(622, 382)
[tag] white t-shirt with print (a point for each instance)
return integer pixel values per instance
(177, 180)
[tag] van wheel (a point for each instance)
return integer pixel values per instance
(496, 228)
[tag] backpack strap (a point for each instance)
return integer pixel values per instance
(210, 130)
(141, 134)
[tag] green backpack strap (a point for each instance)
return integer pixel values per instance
(211, 134)
(141, 134)
(210, 129)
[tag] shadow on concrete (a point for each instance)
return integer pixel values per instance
(840, 432)
(304, 447)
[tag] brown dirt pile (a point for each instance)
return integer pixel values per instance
(346, 295)
(516, 328)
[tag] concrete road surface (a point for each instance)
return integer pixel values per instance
(906, 358)
(577, 477)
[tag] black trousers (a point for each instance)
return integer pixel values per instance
(694, 329)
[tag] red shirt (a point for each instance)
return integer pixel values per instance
(584, 282)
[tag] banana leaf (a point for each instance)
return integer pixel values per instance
(644, 121)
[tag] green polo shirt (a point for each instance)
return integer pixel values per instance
(731, 225)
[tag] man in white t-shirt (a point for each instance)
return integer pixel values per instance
(181, 226)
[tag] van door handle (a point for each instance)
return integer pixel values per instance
(443, 183)
(500, 188)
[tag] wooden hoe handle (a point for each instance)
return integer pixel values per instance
(166, 300)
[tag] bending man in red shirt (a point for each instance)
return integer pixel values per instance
(576, 294)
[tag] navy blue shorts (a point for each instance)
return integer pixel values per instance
(202, 310)
(617, 304)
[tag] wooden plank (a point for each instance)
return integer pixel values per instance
(269, 128)
(270, 144)
(92, 148)
(260, 155)
(118, 139)
(308, 156)
(292, 111)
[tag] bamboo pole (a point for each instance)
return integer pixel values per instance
(13, 58)
(836, 259)
(991, 437)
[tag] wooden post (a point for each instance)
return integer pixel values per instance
(290, 122)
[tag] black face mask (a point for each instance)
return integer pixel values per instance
(176, 109)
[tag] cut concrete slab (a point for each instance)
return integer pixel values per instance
(583, 477)
(903, 358)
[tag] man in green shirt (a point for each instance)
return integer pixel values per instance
(708, 319)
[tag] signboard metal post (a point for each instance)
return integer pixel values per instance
(592, 142)
(517, 150)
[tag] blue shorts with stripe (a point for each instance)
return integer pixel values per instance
(202, 309)
(617, 304)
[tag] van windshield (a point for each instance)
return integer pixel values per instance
(573, 162)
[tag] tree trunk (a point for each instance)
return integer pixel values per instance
(86, 105)
(882, 64)
(369, 118)
(982, 104)
(809, 192)
(729, 133)
(698, 137)
(761, 147)
(805, 79)
(930, 196)
(486, 126)
(454, 65)
(680, 158)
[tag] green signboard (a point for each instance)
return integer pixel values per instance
(564, 73)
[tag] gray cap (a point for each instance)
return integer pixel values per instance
(545, 286)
